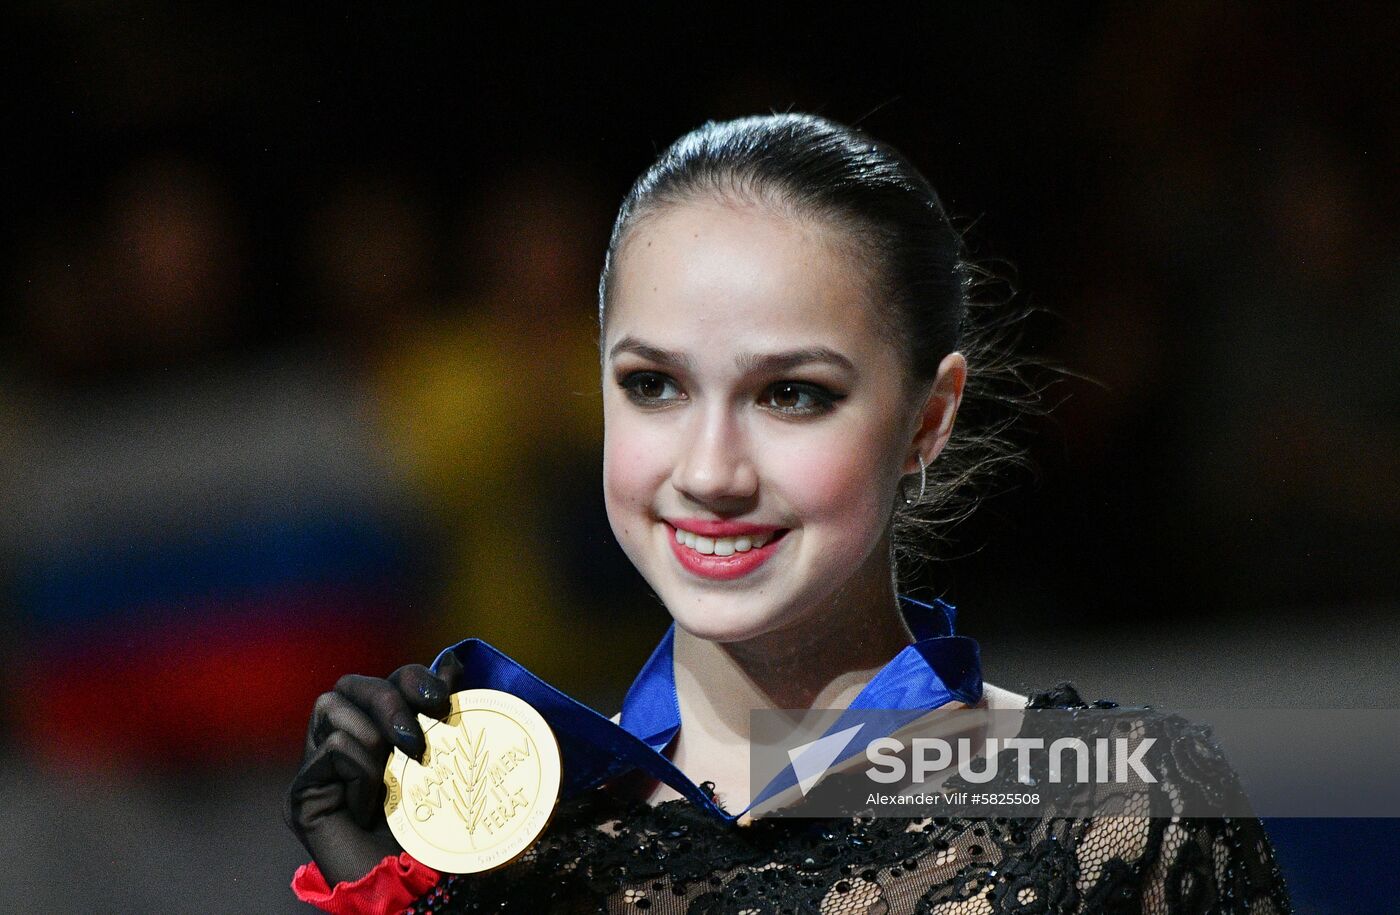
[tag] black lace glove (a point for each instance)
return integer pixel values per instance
(336, 802)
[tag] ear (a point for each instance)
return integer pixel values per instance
(935, 421)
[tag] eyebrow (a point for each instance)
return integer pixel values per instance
(747, 363)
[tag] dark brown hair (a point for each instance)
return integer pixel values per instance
(896, 225)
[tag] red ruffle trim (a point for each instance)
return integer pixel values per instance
(392, 886)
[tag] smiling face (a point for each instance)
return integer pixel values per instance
(757, 422)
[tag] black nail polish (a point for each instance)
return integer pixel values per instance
(410, 741)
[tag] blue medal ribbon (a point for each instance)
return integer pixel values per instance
(938, 668)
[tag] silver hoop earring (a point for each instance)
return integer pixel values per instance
(923, 483)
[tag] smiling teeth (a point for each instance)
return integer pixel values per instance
(721, 546)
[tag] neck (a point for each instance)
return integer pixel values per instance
(822, 661)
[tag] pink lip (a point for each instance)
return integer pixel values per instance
(723, 568)
(721, 528)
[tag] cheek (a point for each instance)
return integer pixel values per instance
(838, 487)
(633, 468)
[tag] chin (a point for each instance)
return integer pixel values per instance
(711, 624)
(721, 620)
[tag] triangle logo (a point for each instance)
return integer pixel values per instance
(811, 760)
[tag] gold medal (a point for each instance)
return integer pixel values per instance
(486, 787)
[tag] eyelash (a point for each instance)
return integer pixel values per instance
(822, 400)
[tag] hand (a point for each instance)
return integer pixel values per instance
(336, 802)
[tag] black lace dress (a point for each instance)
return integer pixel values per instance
(603, 854)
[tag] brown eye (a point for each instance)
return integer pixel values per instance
(648, 388)
(794, 398)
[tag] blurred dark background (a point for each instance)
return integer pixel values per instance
(298, 377)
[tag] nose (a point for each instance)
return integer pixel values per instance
(715, 468)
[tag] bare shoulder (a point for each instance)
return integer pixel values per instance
(999, 699)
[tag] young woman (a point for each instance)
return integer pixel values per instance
(784, 345)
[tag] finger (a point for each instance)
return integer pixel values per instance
(313, 736)
(323, 728)
(387, 707)
(345, 760)
(320, 725)
(335, 779)
(451, 672)
(425, 691)
(363, 796)
(336, 713)
(315, 794)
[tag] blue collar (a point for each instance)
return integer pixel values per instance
(938, 668)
